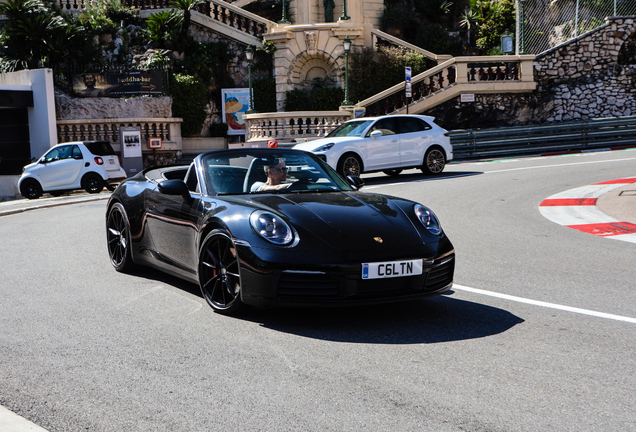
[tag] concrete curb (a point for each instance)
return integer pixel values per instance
(22, 205)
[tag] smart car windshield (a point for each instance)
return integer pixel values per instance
(269, 171)
(353, 128)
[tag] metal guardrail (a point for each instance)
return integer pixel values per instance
(582, 135)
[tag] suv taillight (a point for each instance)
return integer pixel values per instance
(99, 161)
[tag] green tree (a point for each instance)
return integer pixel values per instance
(25, 39)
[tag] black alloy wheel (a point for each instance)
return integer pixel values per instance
(118, 238)
(93, 183)
(350, 165)
(434, 161)
(393, 172)
(31, 189)
(219, 273)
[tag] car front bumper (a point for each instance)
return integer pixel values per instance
(267, 285)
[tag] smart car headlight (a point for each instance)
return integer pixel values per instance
(325, 147)
(428, 219)
(272, 228)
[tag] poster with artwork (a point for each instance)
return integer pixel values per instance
(235, 103)
(131, 143)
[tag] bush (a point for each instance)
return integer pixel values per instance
(189, 99)
(218, 130)
(371, 72)
(317, 99)
(264, 91)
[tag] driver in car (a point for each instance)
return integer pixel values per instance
(276, 175)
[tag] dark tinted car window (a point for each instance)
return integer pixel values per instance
(77, 153)
(412, 124)
(100, 148)
(386, 125)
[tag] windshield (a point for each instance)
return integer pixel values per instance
(350, 128)
(268, 171)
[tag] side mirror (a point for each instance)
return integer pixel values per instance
(356, 182)
(175, 187)
(375, 134)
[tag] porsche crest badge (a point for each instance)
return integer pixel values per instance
(378, 239)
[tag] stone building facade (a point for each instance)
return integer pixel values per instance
(592, 76)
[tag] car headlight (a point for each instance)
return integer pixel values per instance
(325, 147)
(272, 228)
(428, 219)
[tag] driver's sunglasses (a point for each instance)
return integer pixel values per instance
(283, 169)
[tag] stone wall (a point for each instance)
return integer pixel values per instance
(592, 76)
(70, 108)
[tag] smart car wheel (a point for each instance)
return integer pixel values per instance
(434, 161)
(392, 172)
(31, 189)
(93, 183)
(350, 165)
(118, 238)
(219, 275)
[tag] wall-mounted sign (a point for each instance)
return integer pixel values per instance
(131, 156)
(235, 103)
(468, 97)
(154, 143)
(118, 83)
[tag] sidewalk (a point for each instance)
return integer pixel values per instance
(23, 204)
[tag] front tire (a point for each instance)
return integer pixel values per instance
(31, 189)
(434, 161)
(118, 238)
(349, 165)
(92, 183)
(219, 273)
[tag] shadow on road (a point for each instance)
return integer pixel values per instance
(432, 320)
(377, 179)
(428, 320)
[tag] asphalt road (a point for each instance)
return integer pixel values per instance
(86, 348)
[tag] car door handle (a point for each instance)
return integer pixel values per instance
(394, 141)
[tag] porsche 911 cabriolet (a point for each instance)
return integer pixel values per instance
(276, 227)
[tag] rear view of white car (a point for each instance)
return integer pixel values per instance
(388, 143)
(88, 165)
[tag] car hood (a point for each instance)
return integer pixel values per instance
(346, 221)
(311, 145)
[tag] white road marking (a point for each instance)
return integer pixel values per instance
(559, 165)
(575, 215)
(545, 304)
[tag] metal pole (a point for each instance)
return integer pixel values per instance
(284, 18)
(344, 16)
(523, 27)
(346, 101)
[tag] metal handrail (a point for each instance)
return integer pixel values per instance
(581, 135)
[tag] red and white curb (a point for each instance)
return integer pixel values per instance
(576, 208)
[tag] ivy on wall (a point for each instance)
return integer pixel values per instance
(189, 98)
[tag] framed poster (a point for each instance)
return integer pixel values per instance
(235, 103)
(131, 142)
(154, 143)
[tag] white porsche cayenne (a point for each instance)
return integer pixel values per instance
(388, 143)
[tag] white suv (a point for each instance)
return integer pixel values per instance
(388, 143)
(88, 165)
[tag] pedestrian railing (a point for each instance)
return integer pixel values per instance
(582, 135)
(168, 129)
(293, 125)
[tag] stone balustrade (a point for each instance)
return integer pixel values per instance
(288, 126)
(168, 129)
(465, 71)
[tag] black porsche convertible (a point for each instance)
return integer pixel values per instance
(307, 237)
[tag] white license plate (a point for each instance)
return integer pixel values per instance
(112, 161)
(392, 269)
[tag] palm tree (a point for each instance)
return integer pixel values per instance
(186, 6)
